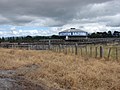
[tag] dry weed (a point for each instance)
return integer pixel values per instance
(62, 71)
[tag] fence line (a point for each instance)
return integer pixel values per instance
(94, 51)
(99, 51)
(28, 47)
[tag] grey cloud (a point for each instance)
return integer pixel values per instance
(3, 20)
(58, 10)
(101, 9)
(45, 22)
(106, 13)
(114, 21)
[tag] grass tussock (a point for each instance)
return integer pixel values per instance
(61, 71)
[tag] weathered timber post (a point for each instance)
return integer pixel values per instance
(59, 48)
(76, 49)
(81, 51)
(68, 49)
(116, 53)
(72, 49)
(56, 48)
(86, 50)
(49, 45)
(96, 52)
(91, 51)
(65, 48)
(12, 46)
(53, 48)
(109, 52)
(101, 51)
(28, 47)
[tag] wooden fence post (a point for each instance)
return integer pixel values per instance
(96, 52)
(65, 49)
(59, 48)
(109, 52)
(86, 50)
(101, 51)
(69, 49)
(28, 47)
(116, 53)
(91, 51)
(81, 51)
(62, 48)
(12, 46)
(56, 48)
(72, 49)
(53, 48)
(49, 45)
(76, 49)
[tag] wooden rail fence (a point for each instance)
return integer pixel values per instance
(109, 52)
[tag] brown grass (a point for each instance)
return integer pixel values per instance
(62, 71)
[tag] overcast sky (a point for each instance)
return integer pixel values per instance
(47, 17)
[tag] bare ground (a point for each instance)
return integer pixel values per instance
(10, 81)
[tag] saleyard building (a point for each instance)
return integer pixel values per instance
(73, 33)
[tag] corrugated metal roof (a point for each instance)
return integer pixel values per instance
(73, 30)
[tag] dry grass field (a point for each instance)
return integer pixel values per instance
(63, 72)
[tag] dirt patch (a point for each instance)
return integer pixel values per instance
(18, 84)
(9, 82)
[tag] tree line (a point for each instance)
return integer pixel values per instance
(109, 34)
(28, 38)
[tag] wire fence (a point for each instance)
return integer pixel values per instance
(109, 52)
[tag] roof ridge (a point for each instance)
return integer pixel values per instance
(70, 30)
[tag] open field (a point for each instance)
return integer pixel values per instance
(57, 71)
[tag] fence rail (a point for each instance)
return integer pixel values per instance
(27, 47)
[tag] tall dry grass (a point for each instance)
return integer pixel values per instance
(65, 72)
